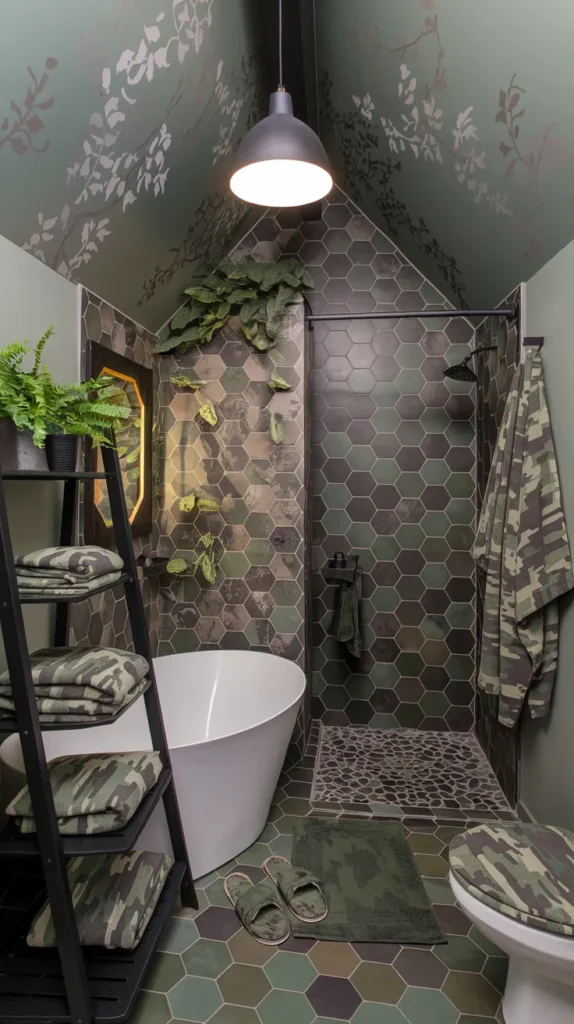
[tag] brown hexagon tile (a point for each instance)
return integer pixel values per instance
(336, 959)
(244, 984)
(246, 950)
(471, 993)
(378, 983)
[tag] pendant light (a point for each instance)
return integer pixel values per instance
(281, 161)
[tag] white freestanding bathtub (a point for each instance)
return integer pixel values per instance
(229, 716)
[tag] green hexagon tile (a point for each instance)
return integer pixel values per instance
(209, 969)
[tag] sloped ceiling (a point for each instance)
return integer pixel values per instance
(117, 120)
(450, 123)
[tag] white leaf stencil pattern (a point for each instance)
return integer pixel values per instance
(419, 133)
(106, 171)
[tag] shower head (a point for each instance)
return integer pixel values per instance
(464, 372)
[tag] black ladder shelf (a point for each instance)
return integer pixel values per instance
(80, 984)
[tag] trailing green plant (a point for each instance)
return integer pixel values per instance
(33, 400)
(204, 559)
(277, 383)
(199, 501)
(208, 413)
(157, 444)
(205, 556)
(206, 409)
(177, 566)
(183, 381)
(259, 293)
(276, 431)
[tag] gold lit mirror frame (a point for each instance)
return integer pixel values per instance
(135, 456)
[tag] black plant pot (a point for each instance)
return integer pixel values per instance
(17, 449)
(62, 452)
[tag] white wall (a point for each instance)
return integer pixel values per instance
(547, 763)
(33, 297)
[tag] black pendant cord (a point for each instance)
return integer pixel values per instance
(280, 44)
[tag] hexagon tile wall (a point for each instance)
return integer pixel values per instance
(258, 598)
(393, 480)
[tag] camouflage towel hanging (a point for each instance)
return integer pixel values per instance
(93, 792)
(68, 564)
(39, 585)
(523, 547)
(50, 711)
(101, 674)
(114, 896)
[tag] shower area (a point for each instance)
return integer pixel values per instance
(400, 460)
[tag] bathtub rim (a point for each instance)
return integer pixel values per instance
(11, 749)
(253, 725)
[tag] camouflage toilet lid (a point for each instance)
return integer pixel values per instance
(523, 871)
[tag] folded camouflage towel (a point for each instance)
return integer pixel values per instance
(40, 585)
(102, 674)
(70, 565)
(114, 896)
(93, 792)
(54, 710)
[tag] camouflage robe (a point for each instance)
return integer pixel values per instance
(523, 547)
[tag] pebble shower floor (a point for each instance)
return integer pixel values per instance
(209, 969)
(406, 771)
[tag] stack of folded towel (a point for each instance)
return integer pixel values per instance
(93, 793)
(66, 572)
(80, 684)
(114, 896)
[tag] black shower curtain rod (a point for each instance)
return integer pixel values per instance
(412, 314)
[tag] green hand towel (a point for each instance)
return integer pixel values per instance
(114, 896)
(347, 616)
(92, 792)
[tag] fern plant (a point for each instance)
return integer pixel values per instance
(259, 293)
(33, 400)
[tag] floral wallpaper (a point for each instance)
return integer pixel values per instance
(117, 122)
(449, 121)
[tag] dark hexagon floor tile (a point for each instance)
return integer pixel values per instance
(420, 967)
(218, 923)
(335, 998)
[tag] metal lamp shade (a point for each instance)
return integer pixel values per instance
(281, 161)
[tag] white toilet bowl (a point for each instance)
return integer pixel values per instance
(540, 985)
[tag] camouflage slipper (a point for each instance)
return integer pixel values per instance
(258, 909)
(300, 889)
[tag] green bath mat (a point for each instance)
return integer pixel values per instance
(373, 885)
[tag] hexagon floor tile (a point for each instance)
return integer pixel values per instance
(219, 974)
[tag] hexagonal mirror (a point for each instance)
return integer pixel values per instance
(133, 440)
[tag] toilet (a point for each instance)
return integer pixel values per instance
(516, 884)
